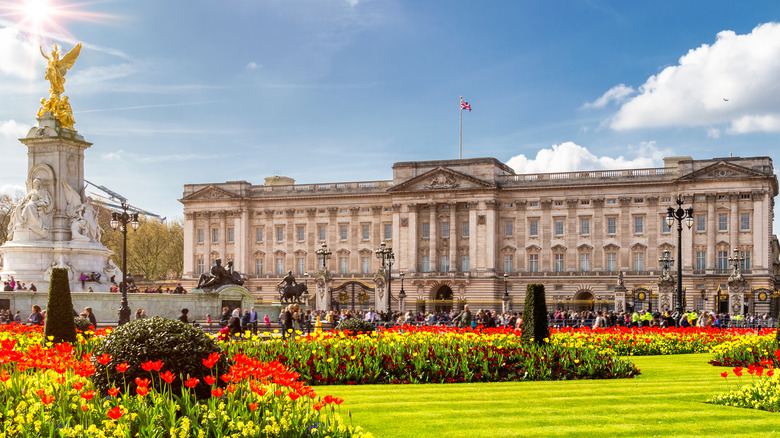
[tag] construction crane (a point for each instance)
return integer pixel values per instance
(114, 201)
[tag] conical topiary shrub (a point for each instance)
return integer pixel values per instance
(535, 327)
(59, 310)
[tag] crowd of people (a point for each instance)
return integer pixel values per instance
(589, 318)
(11, 285)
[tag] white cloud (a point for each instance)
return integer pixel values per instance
(14, 190)
(19, 57)
(713, 133)
(253, 66)
(749, 123)
(733, 81)
(570, 157)
(14, 129)
(618, 94)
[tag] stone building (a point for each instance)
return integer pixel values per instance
(474, 231)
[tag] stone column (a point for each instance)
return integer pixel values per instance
(490, 235)
(520, 236)
(289, 240)
(453, 239)
(433, 239)
(598, 230)
(473, 245)
(323, 284)
(711, 231)
(190, 237)
(312, 263)
(269, 236)
(626, 233)
(759, 226)
(207, 241)
(412, 264)
(545, 236)
(243, 242)
(733, 220)
(223, 236)
(652, 232)
(571, 262)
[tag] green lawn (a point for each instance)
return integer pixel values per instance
(666, 400)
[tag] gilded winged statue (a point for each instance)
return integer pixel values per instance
(58, 67)
(56, 70)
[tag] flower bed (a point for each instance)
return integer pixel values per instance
(649, 341)
(762, 393)
(746, 351)
(432, 355)
(46, 391)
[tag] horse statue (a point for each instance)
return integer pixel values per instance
(292, 294)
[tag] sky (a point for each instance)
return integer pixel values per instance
(173, 92)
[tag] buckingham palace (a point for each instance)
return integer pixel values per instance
(474, 231)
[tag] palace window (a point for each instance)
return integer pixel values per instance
(321, 232)
(445, 263)
(611, 225)
(425, 264)
(533, 262)
(200, 235)
(639, 261)
(445, 229)
(464, 263)
(723, 222)
(300, 265)
(258, 234)
(508, 228)
(342, 265)
(701, 222)
(744, 221)
(665, 228)
(426, 230)
(745, 264)
(388, 235)
(559, 227)
(464, 229)
(639, 224)
(215, 235)
(585, 226)
(342, 232)
(231, 235)
(200, 269)
(701, 260)
(279, 266)
(611, 261)
(365, 265)
(723, 260)
(533, 228)
(558, 262)
(509, 262)
(258, 266)
(300, 233)
(280, 234)
(365, 231)
(585, 262)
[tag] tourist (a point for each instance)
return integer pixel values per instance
(267, 321)
(253, 320)
(7, 287)
(464, 318)
(18, 317)
(138, 314)
(89, 289)
(208, 321)
(236, 313)
(225, 318)
(83, 280)
(91, 317)
(18, 285)
(179, 289)
(234, 326)
(183, 317)
(36, 317)
(33, 288)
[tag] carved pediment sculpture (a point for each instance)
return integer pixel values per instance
(442, 181)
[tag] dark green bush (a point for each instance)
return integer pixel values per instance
(535, 325)
(59, 310)
(82, 325)
(180, 346)
(356, 326)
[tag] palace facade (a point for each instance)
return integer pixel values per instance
(474, 231)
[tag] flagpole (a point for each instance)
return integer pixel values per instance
(460, 142)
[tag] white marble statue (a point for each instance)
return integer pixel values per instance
(84, 226)
(33, 212)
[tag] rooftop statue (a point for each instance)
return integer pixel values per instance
(56, 70)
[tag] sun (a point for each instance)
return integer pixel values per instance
(46, 17)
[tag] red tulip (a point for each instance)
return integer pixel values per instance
(210, 379)
(114, 413)
(122, 367)
(113, 391)
(142, 390)
(46, 399)
(87, 395)
(168, 376)
(253, 406)
(142, 382)
(191, 382)
(724, 374)
(217, 392)
(104, 359)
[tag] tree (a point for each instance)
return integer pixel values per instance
(535, 327)
(60, 324)
(7, 204)
(155, 250)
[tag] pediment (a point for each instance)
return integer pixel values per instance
(209, 193)
(721, 170)
(442, 178)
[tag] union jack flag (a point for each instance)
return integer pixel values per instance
(465, 105)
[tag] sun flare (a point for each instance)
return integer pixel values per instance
(42, 18)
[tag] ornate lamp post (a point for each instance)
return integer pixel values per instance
(323, 254)
(120, 220)
(401, 293)
(736, 260)
(680, 215)
(386, 254)
(505, 297)
(666, 261)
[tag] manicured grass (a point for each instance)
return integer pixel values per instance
(666, 400)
